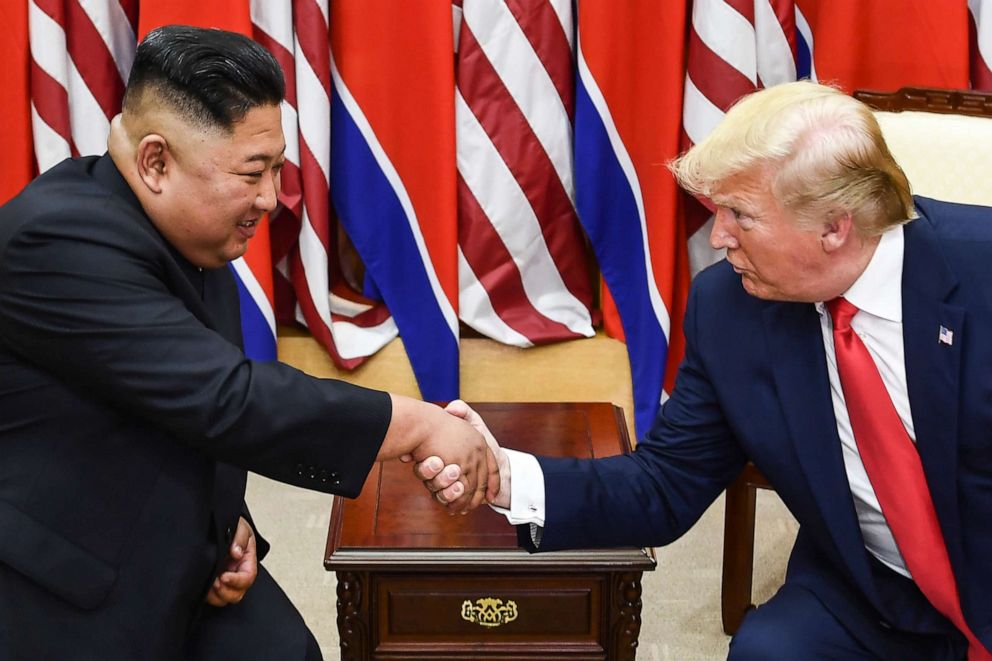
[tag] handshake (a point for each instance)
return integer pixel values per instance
(455, 455)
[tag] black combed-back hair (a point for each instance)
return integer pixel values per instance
(211, 78)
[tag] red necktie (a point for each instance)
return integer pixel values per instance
(896, 474)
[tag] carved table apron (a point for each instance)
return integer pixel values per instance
(416, 583)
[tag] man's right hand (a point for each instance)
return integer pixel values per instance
(422, 430)
(442, 479)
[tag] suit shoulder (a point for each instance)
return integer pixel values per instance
(67, 204)
(953, 222)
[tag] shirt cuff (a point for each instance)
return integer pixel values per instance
(526, 490)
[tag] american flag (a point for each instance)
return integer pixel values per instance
(81, 54)
(523, 276)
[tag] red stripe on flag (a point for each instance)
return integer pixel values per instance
(318, 329)
(311, 31)
(130, 8)
(53, 8)
(543, 30)
(314, 194)
(713, 76)
(496, 270)
(744, 7)
(51, 102)
(785, 12)
(93, 59)
(511, 134)
(283, 57)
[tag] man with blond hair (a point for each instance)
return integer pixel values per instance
(845, 347)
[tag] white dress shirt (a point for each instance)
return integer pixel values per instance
(877, 293)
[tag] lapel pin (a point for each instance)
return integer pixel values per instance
(945, 336)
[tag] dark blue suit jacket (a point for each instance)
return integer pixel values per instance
(754, 385)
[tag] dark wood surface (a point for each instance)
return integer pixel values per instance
(929, 99)
(738, 546)
(406, 569)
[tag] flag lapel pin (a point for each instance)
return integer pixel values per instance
(945, 336)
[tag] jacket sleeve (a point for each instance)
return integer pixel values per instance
(653, 495)
(88, 302)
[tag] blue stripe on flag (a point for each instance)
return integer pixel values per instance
(376, 223)
(608, 211)
(803, 57)
(260, 344)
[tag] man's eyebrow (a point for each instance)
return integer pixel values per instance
(265, 157)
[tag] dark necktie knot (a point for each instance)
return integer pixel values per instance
(841, 312)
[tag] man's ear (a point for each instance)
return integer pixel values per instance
(836, 231)
(153, 160)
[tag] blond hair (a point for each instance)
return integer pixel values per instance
(822, 151)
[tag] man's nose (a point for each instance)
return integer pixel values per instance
(268, 192)
(723, 235)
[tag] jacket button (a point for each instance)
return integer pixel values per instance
(336, 483)
(299, 469)
(229, 534)
(312, 473)
(334, 475)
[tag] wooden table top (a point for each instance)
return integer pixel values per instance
(395, 518)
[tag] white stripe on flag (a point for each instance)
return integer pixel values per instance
(700, 115)
(728, 34)
(517, 65)
(89, 123)
(112, 24)
(250, 283)
(477, 311)
(774, 54)
(982, 11)
(49, 147)
(511, 215)
(48, 47)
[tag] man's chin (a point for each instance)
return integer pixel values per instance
(752, 288)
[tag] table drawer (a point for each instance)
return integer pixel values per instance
(489, 612)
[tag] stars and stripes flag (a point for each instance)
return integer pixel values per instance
(522, 273)
(81, 54)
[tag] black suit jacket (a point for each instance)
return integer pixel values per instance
(128, 416)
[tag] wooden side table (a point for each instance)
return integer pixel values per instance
(416, 583)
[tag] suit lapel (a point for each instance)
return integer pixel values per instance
(933, 371)
(803, 387)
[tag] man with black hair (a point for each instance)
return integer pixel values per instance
(129, 413)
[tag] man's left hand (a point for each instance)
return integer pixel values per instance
(242, 568)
